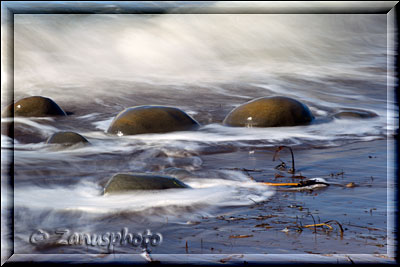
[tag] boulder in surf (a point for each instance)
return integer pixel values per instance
(34, 106)
(123, 182)
(151, 119)
(269, 112)
(21, 132)
(67, 138)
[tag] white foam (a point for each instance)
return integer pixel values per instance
(188, 49)
(86, 196)
(33, 122)
(89, 116)
(330, 133)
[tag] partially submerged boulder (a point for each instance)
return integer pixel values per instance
(21, 132)
(151, 119)
(355, 114)
(123, 182)
(67, 138)
(269, 112)
(34, 106)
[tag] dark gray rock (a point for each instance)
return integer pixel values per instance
(151, 119)
(67, 138)
(34, 106)
(23, 133)
(269, 112)
(123, 182)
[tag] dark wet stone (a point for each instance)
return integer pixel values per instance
(34, 106)
(269, 112)
(178, 172)
(67, 138)
(22, 133)
(355, 114)
(122, 182)
(151, 119)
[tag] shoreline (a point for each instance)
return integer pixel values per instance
(272, 226)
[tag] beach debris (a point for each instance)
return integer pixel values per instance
(264, 225)
(365, 227)
(298, 176)
(351, 185)
(327, 224)
(308, 184)
(318, 225)
(281, 184)
(259, 217)
(282, 166)
(240, 236)
(337, 174)
(263, 217)
(339, 224)
(313, 181)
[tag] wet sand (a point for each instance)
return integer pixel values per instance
(275, 226)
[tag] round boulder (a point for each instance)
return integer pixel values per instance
(34, 106)
(151, 119)
(269, 112)
(67, 138)
(123, 182)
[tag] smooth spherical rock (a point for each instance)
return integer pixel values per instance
(269, 112)
(34, 106)
(139, 181)
(355, 114)
(151, 119)
(67, 138)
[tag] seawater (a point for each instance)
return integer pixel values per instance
(94, 66)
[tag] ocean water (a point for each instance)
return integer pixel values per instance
(94, 66)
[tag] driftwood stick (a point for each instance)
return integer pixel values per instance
(292, 170)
